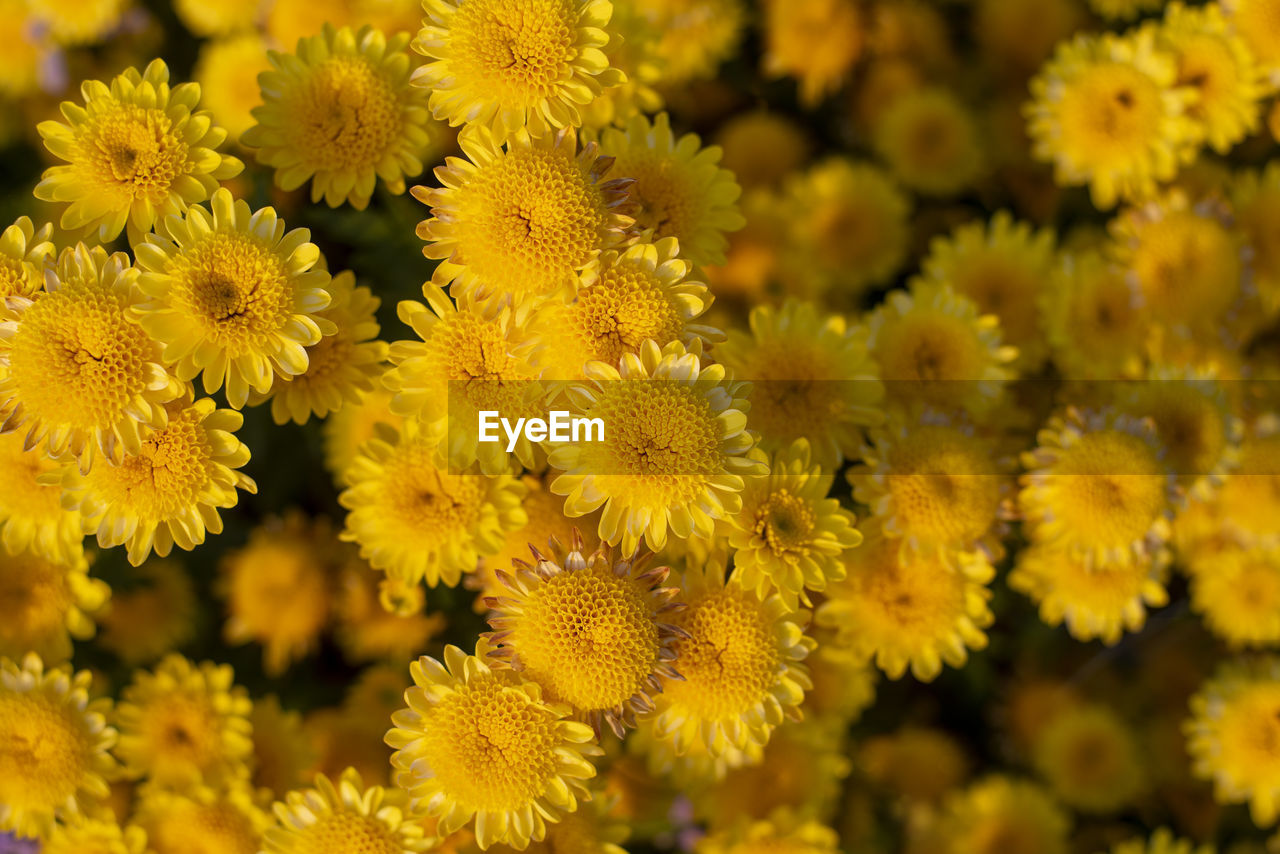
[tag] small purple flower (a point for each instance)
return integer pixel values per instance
(10, 844)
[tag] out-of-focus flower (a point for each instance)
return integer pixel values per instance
(346, 816)
(1090, 759)
(25, 254)
(47, 604)
(227, 71)
(154, 615)
(931, 143)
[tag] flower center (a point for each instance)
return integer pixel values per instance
(785, 523)
(346, 833)
(235, 287)
(165, 478)
(345, 115)
(134, 151)
(44, 752)
(730, 659)
(519, 50)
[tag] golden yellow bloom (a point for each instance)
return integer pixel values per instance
(74, 23)
(761, 148)
(680, 189)
(415, 519)
(633, 51)
(31, 513)
(83, 835)
(1090, 759)
(931, 143)
(674, 451)
(1092, 313)
(54, 759)
(154, 614)
(24, 51)
(282, 750)
(781, 833)
(366, 631)
(843, 686)
(25, 255)
(510, 67)
(812, 379)
(694, 36)
(211, 20)
(227, 70)
(523, 221)
(1107, 112)
(170, 492)
(45, 605)
(1255, 197)
(741, 659)
(202, 820)
(75, 369)
(901, 609)
(136, 152)
(353, 425)
(290, 20)
(345, 816)
(340, 112)
(1005, 815)
(232, 295)
(917, 764)
(342, 367)
(481, 744)
(594, 633)
(1162, 842)
(1255, 22)
(1238, 595)
(1249, 500)
(789, 535)
(816, 41)
(1232, 733)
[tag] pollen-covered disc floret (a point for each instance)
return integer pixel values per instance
(53, 758)
(171, 490)
(523, 220)
(78, 375)
(674, 450)
(341, 113)
(593, 632)
(25, 253)
(136, 151)
(482, 745)
(344, 816)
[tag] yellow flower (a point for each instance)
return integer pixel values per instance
(1238, 595)
(918, 764)
(342, 367)
(76, 370)
(481, 744)
(278, 588)
(594, 828)
(811, 377)
(781, 834)
(523, 221)
(25, 254)
(1106, 111)
(353, 425)
(1095, 602)
(366, 631)
(741, 663)
(1234, 725)
(202, 820)
(1098, 486)
(183, 724)
(290, 20)
(282, 750)
(24, 51)
(1090, 759)
(680, 189)
(934, 347)
(789, 535)
(843, 686)
(136, 152)
(46, 604)
(1005, 815)
(1255, 196)
(345, 816)
(816, 41)
(213, 20)
(594, 633)
(931, 143)
(154, 614)
(1092, 313)
(232, 295)
(227, 70)
(54, 760)
(674, 452)
(340, 112)
(694, 36)
(1162, 842)
(634, 295)
(633, 51)
(415, 519)
(532, 65)
(902, 610)
(170, 492)
(95, 836)
(761, 148)
(1254, 21)
(1249, 500)
(31, 513)
(1004, 267)
(76, 23)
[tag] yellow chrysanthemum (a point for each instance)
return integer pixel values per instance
(45, 605)
(509, 67)
(1249, 500)
(341, 740)
(232, 295)
(633, 51)
(901, 609)
(931, 142)
(741, 662)
(1092, 314)
(1234, 733)
(812, 379)
(593, 828)
(674, 452)
(154, 614)
(182, 724)
(31, 513)
(789, 535)
(75, 369)
(694, 36)
(634, 295)
(1004, 267)
(415, 519)
(816, 41)
(1090, 760)
(136, 152)
(523, 221)
(1162, 842)
(680, 189)
(1255, 22)
(847, 227)
(341, 367)
(761, 147)
(917, 764)
(1098, 486)
(95, 836)
(282, 750)
(340, 112)
(1107, 112)
(290, 20)
(212, 20)
(365, 630)
(779, 834)
(1238, 596)
(1003, 815)
(202, 820)
(935, 484)
(934, 347)
(227, 70)
(77, 23)
(843, 686)
(1255, 196)
(1095, 602)
(53, 758)
(353, 425)
(171, 491)
(594, 633)
(481, 744)
(24, 52)
(346, 816)
(25, 254)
